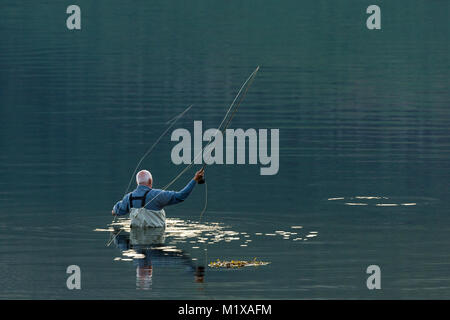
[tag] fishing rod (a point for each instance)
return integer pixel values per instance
(249, 81)
(233, 107)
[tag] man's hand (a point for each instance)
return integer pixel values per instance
(113, 213)
(199, 174)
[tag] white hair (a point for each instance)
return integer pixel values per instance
(143, 176)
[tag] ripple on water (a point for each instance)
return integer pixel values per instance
(194, 234)
(382, 201)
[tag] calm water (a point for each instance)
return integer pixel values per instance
(361, 114)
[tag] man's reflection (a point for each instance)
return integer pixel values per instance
(148, 251)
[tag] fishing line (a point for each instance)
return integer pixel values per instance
(172, 123)
(112, 239)
(206, 203)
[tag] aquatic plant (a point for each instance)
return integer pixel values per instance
(236, 263)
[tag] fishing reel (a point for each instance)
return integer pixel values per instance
(202, 179)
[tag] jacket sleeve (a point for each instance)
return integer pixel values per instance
(121, 208)
(166, 198)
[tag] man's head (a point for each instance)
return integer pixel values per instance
(144, 178)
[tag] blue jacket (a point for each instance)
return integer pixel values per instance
(155, 199)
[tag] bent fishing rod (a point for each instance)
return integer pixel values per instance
(221, 128)
(245, 85)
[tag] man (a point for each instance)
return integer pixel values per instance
(146, 205)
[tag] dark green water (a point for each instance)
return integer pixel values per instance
(360, 113)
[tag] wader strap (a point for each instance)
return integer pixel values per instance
(142, 198)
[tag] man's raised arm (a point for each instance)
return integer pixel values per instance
(174, 197)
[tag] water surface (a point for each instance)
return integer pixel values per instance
(363, 118)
